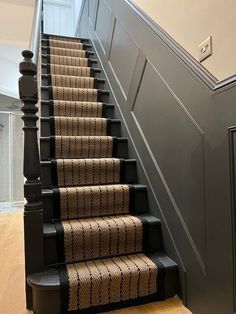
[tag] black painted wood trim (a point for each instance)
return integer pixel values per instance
(232, 169)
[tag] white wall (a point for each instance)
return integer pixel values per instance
(189, 22)
(61, 16)
(58, 17)
(15, 22)
(5, 191)
(16, 18)
(11, 158)
(10, 56)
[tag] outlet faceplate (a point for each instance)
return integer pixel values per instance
(205, 49)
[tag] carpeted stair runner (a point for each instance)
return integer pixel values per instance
(103, 247)
(73, 126)
(75, 94)
(76, 172)
(110, 280)
(67, 52)
(92, 201)
(83, 146)
(77, 109)
(70, 61)
(59, 69)
(66, 44)
(101, 236)
(72, 81)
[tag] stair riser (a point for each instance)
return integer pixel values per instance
(108, 112)
(121, 149)
(129, 174)
(138, 200)
(92, 62)
(86, 45)
(114, 129)
(80, 39)
(45, 95)
(43, 300)
(96, 72)
(151, 240)
(97, 84)
(45, 51)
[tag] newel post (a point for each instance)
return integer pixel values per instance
(33, 212)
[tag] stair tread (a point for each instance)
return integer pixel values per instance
(45, 55)
(79, 118)
(49, 228)
(46, 191)
(67, 44)
(47, 35)
(47, 138)
(46, 75)
(46, 65)
(48, 102)
(71, 88)
(48, 162)
(50, 280)
(46, 47)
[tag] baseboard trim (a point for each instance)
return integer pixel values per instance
(6, 206)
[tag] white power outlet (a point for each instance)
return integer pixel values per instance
(205, 49)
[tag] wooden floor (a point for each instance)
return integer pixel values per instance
(12, 274)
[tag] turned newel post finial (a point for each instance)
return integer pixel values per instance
(27, 66)
(28, 88)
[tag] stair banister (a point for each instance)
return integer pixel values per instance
(36, 30)
(33, 209)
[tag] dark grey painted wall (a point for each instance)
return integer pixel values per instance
(179, 133)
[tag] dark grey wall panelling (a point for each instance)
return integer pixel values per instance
(92, 9)
(123, 56)
(84, 17)
(103, 24)
(179, 133)
(177, 142)
(136, 79)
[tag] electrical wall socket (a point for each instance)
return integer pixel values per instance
(205, 49)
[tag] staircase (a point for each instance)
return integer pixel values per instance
(102, 249)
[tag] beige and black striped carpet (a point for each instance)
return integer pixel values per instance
(99, 240)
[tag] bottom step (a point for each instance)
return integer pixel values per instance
(48, 286)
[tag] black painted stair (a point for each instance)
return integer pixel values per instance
(50, 287)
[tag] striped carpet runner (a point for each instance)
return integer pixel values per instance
(99, 241)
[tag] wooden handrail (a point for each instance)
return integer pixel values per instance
(36, 30)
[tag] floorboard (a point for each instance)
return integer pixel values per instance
(12, 274)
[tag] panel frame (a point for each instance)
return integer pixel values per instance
(214, 112)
